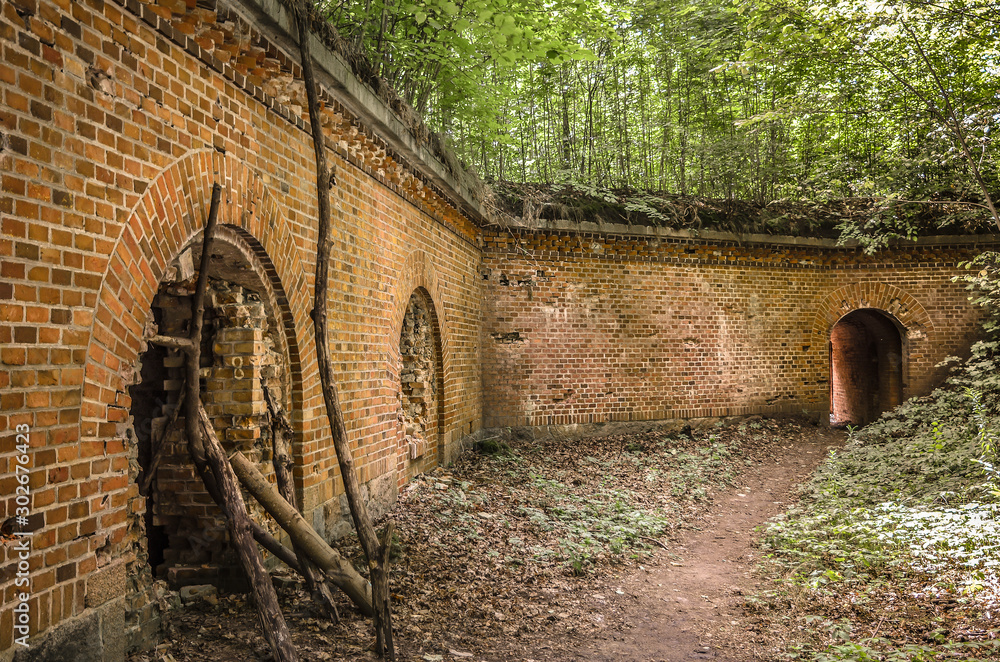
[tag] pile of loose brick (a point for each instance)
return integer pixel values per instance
(418, 378)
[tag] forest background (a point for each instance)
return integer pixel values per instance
(640, 101)
(876, 115)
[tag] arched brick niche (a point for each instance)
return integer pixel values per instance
(420, 391)
(419, 332)
(166, 222)
(876, 334)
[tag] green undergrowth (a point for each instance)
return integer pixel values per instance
(893, 553)
(576, 506)
(577, 511)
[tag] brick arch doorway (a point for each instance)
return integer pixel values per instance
(867, 356)
(248, 354)
(421, 384)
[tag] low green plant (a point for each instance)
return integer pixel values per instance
(606, 522)
(903, 509)
(987, 444)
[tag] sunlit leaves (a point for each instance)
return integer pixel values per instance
(914, 70)
(724, 98)
(435, 52)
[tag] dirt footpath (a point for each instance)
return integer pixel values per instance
(688, 607)
(472, 581)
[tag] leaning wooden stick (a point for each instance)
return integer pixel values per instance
(333, 565)
(352, 486)
(206, 451)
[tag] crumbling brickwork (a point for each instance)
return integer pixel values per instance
(241, 363)
(589, 327)
(418, 394)
(118, 117)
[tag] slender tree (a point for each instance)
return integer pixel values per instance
(376, 552)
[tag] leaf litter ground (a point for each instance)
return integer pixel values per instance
(636, 545)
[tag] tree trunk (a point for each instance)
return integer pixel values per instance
(305, 538)
(566, 141)
(207, 451)
(352, 487)
(241, 534)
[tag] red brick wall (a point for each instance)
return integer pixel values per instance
(584, 328)
(114, 129)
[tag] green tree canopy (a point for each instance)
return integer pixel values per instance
(724, 99)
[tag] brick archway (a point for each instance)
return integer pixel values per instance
(418, 271)
(871, 294)
(870, 330)
(419, 276)
(168, 216)
(866, 367)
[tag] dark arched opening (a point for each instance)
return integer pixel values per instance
(866, 367)
(246, 376)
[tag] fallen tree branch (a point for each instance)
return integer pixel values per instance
(271, 544)
(655, 541)
(209, 457)
(305, 538)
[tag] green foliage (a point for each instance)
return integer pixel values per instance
(984, 284)
(611, 521)
(880, 649)
(987, 439)
(904, 508)
(576, 526)
(605, 523)
(730, 100)
(437, 54)
(845, 60)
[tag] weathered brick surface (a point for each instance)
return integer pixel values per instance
(587, 328)
(115, 121)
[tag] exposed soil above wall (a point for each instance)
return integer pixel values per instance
(529, 204)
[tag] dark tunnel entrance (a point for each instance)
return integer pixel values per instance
(866, 367)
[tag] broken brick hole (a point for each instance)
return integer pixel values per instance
(866, 367)
(181, 536)
(507, 338)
